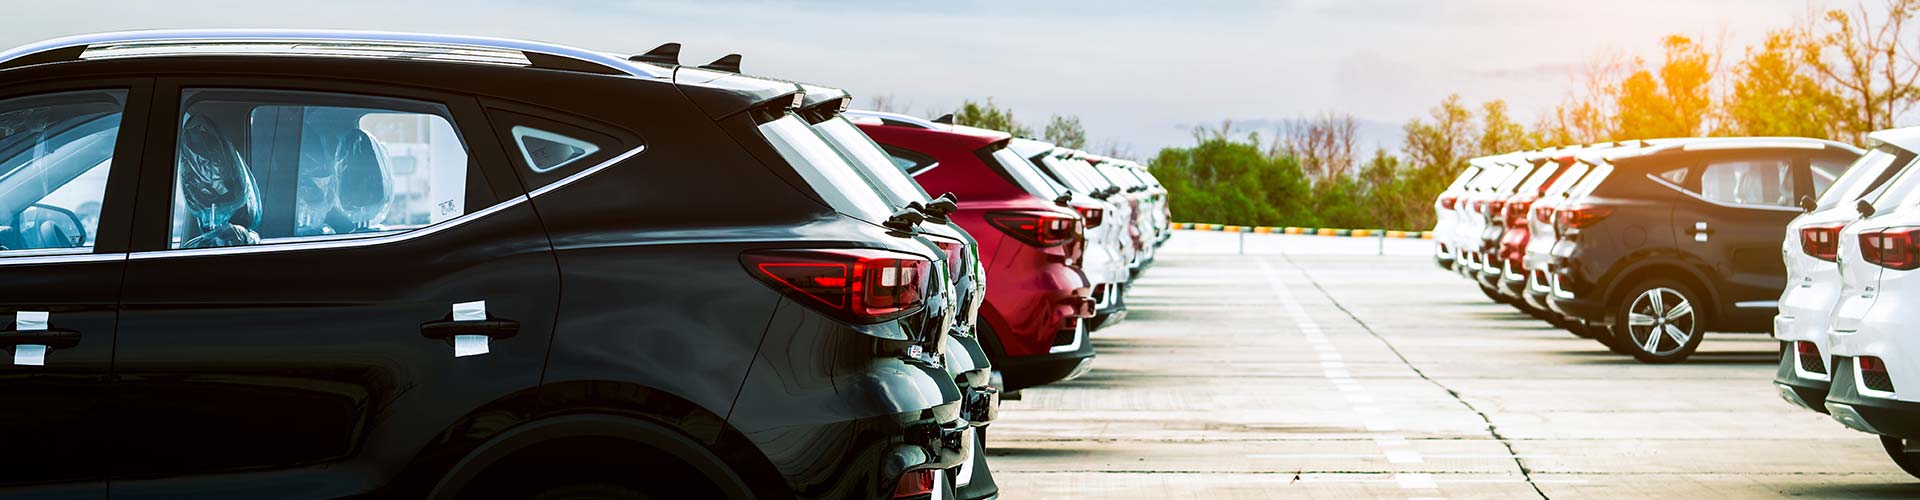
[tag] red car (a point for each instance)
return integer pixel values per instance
(1038, 300)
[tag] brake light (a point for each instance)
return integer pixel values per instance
(956, 255)
(1446, 202)
(1873, 374)
(1517, 211)
(1567, 219)
(1496, 208)
(1892, 248)
(861, 286)
(915, 483)
(1822, 242)
(1543, 214)
(1092, 215)
(1040, 229)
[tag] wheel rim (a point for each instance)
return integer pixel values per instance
(1660, 321)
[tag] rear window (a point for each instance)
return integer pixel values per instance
(1868, 172)
(871, 160)
(1514, 178)
(1465, 177)
(1592, 181)
(825, 170)
(1056, 168)
(1539, 177)
(1567, 179)
(1023, 173)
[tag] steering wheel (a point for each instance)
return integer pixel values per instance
(59, 235)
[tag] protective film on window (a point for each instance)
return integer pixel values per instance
(55, 154)
(545, 151)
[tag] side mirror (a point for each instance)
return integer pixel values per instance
(1807, 204)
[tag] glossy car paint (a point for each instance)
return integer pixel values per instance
(1652, 231)
(1813, 284)
(251, 371)
(1509, 248)
(1137, 219)
(1445, 217)
(1035, 295)
(1873, 318)
(1108, 245)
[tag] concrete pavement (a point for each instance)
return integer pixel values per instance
(1314, 368)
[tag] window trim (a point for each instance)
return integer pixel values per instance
(1664, 182)
(922, 163)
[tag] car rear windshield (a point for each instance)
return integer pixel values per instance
(823, 168)
(1514, 178)
(1465, 177)
(1593, 179)
(1080, 168)
(1539, 177)
(1867, 173)
(1023, 173)
(1566, 179)
(871, 160)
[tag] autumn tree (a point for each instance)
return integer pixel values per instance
(1066, 132)
(1869, 64)
(1674, 100)
(1776, 94)
(1445, 140)
(1324, 144)
(1499, 133)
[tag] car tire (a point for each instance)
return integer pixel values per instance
(1658, 321)
(590, 491)
(1896, 450)
(1491, 294)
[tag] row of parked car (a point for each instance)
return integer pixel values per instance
(1646, 245)
(262, 264)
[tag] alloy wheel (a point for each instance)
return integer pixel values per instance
(1661, 322)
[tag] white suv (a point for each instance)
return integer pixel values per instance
(1875, 359)
(1811, 250)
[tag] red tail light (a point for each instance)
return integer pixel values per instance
(956, 255)
(1543, 214)
(1447, 202)
(1040, 229)
(1891, 248)
(915, 483)
(1822, 242)
(859, 286)
(1496, 209)
(1568, 219)
(1517, 211)
(1092, 215)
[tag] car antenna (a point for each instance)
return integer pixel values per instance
(946, 119)
(730, 64)
(667, 53)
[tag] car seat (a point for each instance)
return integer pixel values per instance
(346, 185)
(217, 187)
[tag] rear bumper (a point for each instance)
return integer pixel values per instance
(1069, 360)
(1798, 390)
(1110, 305)
(1872, 415)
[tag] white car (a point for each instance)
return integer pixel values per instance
(1875, 356)
(1445, 216)
(1811, 250)
(1469, 222)
(1105, 260)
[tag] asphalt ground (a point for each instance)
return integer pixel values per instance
(1320, 367)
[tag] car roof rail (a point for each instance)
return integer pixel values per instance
(335, 43)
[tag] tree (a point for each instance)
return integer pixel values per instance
(1445, 143)
(1675, 102)
(1499, 133)
(1586, 115)
(1066, 132)
(989, 116)
(1323, 144)
(1871, 67)
(1776, 93)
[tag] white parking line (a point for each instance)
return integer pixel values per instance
(1415, 481)
(1404, 457)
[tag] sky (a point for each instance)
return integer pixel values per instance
(1139, 74)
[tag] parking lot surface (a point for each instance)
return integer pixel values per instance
(1313, 367)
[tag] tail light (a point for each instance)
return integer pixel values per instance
(1891, 248)
(860, 286)
(915, 483)
(1822, 242)
(1495, 209)
(1543, 214)
(1571, 219)
(1446, 202)
(956, 255)
(1517, 211)
(1810, 356)
(1040, 229)
(1092, 215)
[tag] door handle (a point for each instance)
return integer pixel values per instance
(447, 329)
(52, 338)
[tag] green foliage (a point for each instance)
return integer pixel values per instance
(989, 116)
(1066, 132)
(1674, 103)
(1776, 94)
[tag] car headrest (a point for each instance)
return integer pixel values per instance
(214, 179)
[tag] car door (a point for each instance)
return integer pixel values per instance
(64, 205)
(325, 278)
(1740, 205)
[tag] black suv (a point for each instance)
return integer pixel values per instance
(1679, 237)
(326, 264)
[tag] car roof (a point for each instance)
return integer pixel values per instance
(1907, 138)
(893, 119)
(1652, 147)
(1030, 148)
(327, 43)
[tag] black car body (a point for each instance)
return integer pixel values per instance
(334, 264)
(1689, 229)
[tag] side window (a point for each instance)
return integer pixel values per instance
(910, 162)
(1826, 171)
(1676, 176)
(261, 167)
(55, 152)
(545, 151)
(1749, 182)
